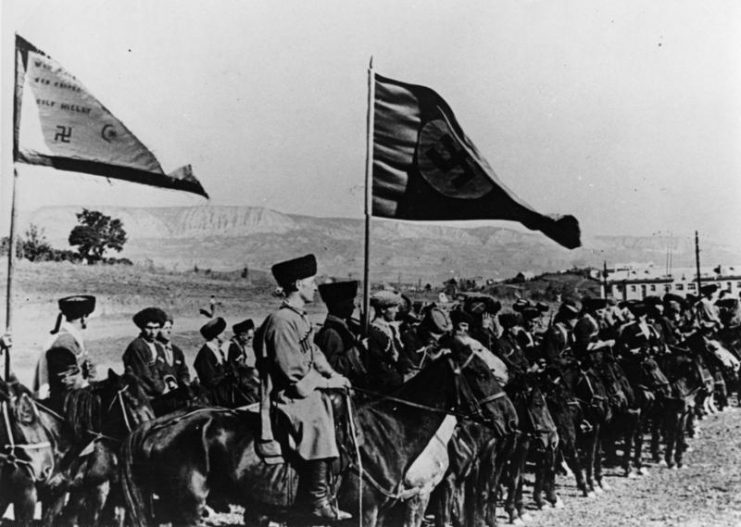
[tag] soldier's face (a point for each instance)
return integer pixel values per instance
(165, 333)
(389, 313)
(307, 289)
(150, 330)
(247, 337)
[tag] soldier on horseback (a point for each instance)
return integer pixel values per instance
(64, 365)
(294, 373)
(171, 359)
(140, 357)
(336, 338)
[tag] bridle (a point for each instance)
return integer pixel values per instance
(8, 456)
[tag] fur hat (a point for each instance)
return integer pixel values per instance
(243, 327)
(335, 292)
(149, 315)
(213, 328)
(289, 271)
(509, 319)
(77, 306)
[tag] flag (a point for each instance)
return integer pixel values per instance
(425, 168)
(58, 123)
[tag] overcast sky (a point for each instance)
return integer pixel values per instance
(626, 114)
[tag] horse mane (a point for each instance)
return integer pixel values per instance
(82, 412)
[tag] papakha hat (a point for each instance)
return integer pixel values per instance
(335, 292)
(709, 289)
(243, 327)
(594, 303)
(458, 316)
(289, 271)
(570, 306)
(77, 306)
(530, 313)
(149, 315)
(213, 328)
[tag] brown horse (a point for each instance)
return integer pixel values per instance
(188, 458)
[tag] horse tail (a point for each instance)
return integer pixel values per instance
(136, 506)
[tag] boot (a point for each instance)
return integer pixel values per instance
(321, 508)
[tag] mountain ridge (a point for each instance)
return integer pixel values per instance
(233, 237)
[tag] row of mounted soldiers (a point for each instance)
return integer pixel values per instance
(292, 363)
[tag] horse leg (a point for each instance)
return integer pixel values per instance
(590, 451)
(514, 475)
(539, 462)
(660, 419)
(571, 456)
(550, 474)
(24, 502)
(598, 477)
(443, 497)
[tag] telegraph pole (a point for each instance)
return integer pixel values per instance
(697, 261)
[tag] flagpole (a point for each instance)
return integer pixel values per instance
(11, 265)
(368, 195)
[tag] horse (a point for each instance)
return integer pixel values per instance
(537, 436)
(189, 457)
(26, 451)
(578, 401)
(478, 454)
(624, 406)
(88, 435)
(685, 380)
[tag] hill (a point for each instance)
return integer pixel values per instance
(226, 238)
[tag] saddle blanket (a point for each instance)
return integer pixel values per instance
(430, 466)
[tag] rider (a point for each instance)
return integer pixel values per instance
(140, 357)
(587, 330)
(295, 373)
(336, 339)
(210, 363)
(239, 348)
(171, 359)
(64, 365)
(384, 342)
(558, 341)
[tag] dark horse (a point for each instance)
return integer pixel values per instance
(185, 458)
(52, 455)
(239, 387)
(579, 404)
(685, 381)
(26, 451)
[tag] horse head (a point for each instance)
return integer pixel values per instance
(24, 441)
(125, 403)
(481, 394)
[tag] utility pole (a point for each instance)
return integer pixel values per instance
(697, 261)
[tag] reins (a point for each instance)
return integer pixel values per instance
(13, 460)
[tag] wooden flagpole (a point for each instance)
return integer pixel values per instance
(697, 262)
(368, 194)
(11, 265)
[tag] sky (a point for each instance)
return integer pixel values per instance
(626, 114)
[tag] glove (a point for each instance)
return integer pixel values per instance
(337, 382)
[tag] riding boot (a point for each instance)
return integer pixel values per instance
(318, 475)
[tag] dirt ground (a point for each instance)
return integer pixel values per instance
(705, 493)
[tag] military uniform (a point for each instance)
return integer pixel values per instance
(342, 348)
(171, 364)
(64, 365)
(384, 351)
(297, 369)
(140, 359)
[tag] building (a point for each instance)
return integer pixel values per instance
(636, 283)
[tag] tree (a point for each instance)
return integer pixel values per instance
(95, 233)
(33, 246)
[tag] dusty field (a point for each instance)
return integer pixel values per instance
(705, 493)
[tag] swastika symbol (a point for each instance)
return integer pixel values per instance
(63, 134)
(450, 158)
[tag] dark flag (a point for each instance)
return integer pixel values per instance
(425, 168)
(58, 123)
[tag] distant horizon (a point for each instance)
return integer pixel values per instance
(474, 224)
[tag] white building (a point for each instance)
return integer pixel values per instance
(629, 283)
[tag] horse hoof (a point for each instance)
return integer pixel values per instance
(591, 494)
(631, 475)
(598, 490)
(558, 504)
(643, 471)
(605, 486)
(670, 466)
